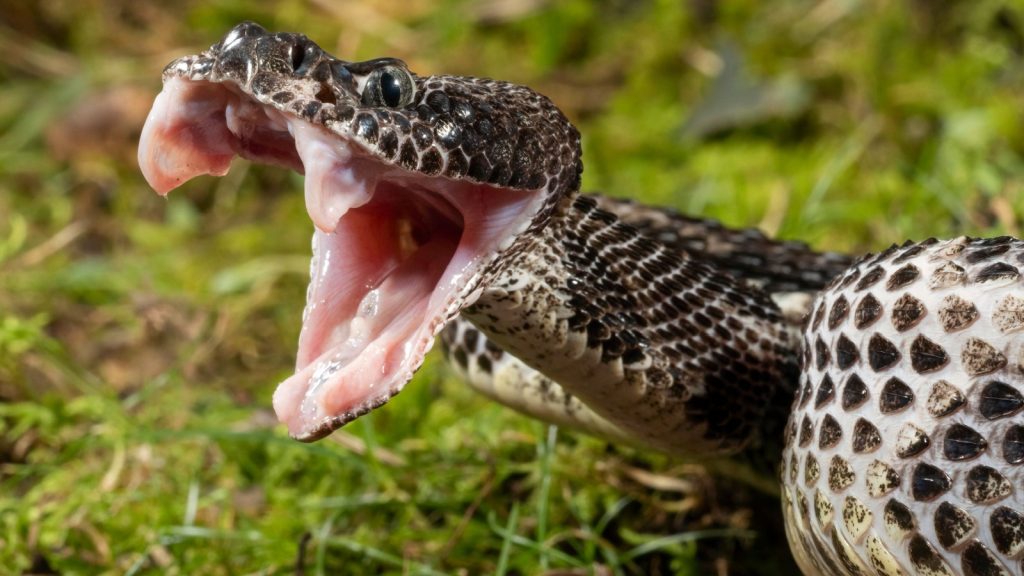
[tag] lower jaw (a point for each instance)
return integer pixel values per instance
(385, 281)
(370, 311)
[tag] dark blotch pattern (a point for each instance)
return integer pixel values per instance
(999, 400)
(821, 354)
(868, 310)
(431, 162)
(952, 525)
(812, 470)
(870, 278)
(911, 441)
(866, 437)
(909, 253)
(977, 560)
(830, 433)
(840, 474)
(855, 393)
(903, 277)
(1007, 527)
(806, 431)
(1013, 445)
(997, 271)
(944, 399)
(980, 357)
(926, 355)
(819, 315)
(1009, 314)
(907, 312)
(925, 558)
(992, 250)
(840, 310)
(826, 392)
(846, 352)
(882, 353)
(928, 482)
(955, 313)
(948, 275)
(986, 485)
(899, 517)
(895, 396)
(962, 442)
(484, 363)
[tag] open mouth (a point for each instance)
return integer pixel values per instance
(396, 253)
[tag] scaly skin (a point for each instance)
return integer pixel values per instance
(673, 333)
(905, 446)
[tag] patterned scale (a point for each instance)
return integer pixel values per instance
(905, 445)
(747, 253)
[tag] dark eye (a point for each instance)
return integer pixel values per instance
(389, 86)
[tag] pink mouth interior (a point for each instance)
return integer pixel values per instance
(395, 254)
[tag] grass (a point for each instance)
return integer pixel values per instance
(140, 339)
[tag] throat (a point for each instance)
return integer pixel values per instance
(639, 333)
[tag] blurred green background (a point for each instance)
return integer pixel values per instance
(141, 338)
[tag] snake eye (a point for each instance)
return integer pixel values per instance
(389, 86)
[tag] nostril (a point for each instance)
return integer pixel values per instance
(303, 56)
(298, 56)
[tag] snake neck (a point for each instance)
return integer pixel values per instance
(681, 357)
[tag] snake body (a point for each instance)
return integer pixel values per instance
(451, 201)
(904, 450)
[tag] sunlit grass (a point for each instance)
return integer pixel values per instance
(141, 338)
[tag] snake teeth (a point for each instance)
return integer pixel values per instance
(336, 179)
(905, 445)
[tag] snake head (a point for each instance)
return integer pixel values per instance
(416, 187)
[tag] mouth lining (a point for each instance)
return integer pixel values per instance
(370, 305)
(396, 254)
